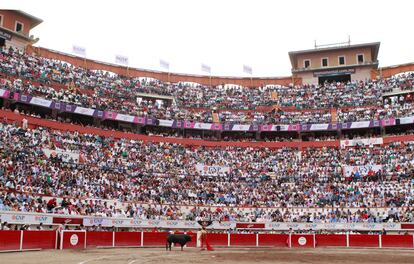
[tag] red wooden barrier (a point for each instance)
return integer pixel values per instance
(95, 238)
(218, 240)
(71, 239)
(132, 239)
(155, 239)
(10, 240)
(273, 240)
(331, 240)
(242, 240)
(302, 240)
(363, 240)
(39, 239)
(400, 241)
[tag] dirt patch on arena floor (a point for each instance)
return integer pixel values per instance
(223, 256)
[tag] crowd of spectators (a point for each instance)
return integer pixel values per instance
(119, 177)
(93, 175)
(352, 101)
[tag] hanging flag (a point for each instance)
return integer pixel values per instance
(121, 60)
(164, 64)
(79, 50)
(205, 68)
(247, 69)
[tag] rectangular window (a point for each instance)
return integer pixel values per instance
(19, 27)
(306, 64)
(360, 58)
(341, 60)
(325, 62)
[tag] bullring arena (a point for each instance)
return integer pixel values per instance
(106, 163)
(225, 256)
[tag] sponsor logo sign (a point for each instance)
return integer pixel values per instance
(74, 239)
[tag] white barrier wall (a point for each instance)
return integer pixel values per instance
(36, 218)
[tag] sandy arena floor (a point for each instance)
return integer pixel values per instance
(224, 256)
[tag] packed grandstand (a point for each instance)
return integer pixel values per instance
(50, 170)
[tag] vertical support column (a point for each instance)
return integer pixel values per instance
(347, 239)
(380, 241)
(61, 239)
(113, 238)
(290, 240)
(142, 238)
(314, 240)
(257, 239)
(413, 240)
(57, 238)
(228, 239)
(21, 240)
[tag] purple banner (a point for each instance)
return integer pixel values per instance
(360, 124)
(64, 107)
(318, 127)
(388, 122)
(4, 93)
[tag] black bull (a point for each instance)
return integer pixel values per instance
(177, 239)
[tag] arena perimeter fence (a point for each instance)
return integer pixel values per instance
(80, 239)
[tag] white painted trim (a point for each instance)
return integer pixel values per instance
(61, 240)
(228, 239)
(15, 25)
(257, 239)
(310, 63)
(79, 231)
(380, 241)
(290, 240)
(142, 238)
(344, 60)
(327, 62)
(314, 240)
(363, 59)
(113, 238)
(21, 240)
(347, 239)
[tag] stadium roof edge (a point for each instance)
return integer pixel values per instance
(36, 20)
(164, 72)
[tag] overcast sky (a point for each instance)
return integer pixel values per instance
(223, 34)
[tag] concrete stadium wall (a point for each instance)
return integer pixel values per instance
(162, 76)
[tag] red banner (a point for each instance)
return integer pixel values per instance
(302, 241)
(273, 240)
(242, 240)
(128, 239)
(10, 240)
(397, 241)
(250, 225)
(72, 239)
(39, 239)
(363, 240)
(101, 239)
(331, 240)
